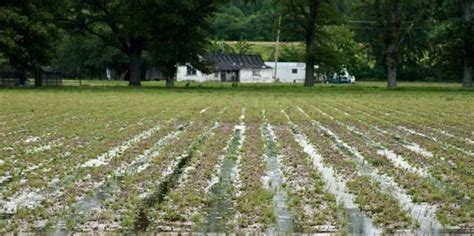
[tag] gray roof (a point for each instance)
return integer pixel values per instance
(237, 62)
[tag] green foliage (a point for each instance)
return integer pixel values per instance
(445, 55)
(219, 47)
(292, 53)
(28, 32)
(245, 20)
(172, 32)
(87, 56)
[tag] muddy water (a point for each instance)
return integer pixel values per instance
(221, 207)
(358, 223)
(88, 205)
(424, 214)
(169, 180)
(274, 182)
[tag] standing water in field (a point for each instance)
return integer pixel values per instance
(91, 204)
(274, 182)
(423, 213)
(221, 207)
(358, 223)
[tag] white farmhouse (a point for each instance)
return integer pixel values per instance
(230, 68)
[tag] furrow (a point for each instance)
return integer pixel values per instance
(358, 223)
(424, 214)
(274, 180)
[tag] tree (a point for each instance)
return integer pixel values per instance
(87, 56)
(27, 34)
(181, 35)
(171, 30)
(245, 20)
(467, 7)
(309, 16)
(119, 23)
(395, 21)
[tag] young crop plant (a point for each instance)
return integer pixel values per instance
(183, 204)
(250, 159)
(254, 202)
(314, 210)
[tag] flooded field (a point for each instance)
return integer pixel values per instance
(258, 160)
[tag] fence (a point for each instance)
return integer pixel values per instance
(8, 79)
(52, 79)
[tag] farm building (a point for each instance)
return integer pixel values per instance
(230, 68)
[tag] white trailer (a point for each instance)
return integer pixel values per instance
(289, 72)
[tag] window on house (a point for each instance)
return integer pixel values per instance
(294, 71)
(190, 70)
(216, 75)
(256, 72)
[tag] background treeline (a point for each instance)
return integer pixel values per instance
(433, 50)
(422, 40)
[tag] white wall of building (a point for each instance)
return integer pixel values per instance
(246, 76)
(182, 75)
(289, 72)
(256, 76)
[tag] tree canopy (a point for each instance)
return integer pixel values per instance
(395, 40)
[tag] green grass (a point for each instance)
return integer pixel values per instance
(359, 87)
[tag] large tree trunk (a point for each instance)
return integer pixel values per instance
(309, 76)
(468, 5)
(170, 81)
(38, 78)
(391, 41)
(170, 72)
(391, 71)
(22, 76)
(135, 63)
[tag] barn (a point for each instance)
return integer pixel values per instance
(230, 68)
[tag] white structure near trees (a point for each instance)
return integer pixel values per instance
(289, 72)
(230, 68)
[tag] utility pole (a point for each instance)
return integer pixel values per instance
(277, 49)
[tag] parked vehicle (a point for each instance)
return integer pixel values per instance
(342, 78)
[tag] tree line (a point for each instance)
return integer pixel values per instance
(407, 39)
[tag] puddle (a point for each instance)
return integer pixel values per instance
(170, 179)
(105, 158)
(222, 189)
(417, 149)
(91, 204)
(382, 151)
(102, 159)
(274, 182)
(358, 223)
(424, 214)
(143, 161)
(435, 140)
